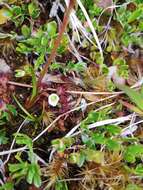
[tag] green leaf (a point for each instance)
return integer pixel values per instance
(135, 15)
(7, 186)
(44, 41)
(136, 149)
(37, 178)
(93, 117)
(63, 143)
(135, 96)
(61, 185)
(34, 83)
(94, 156)
(25, 31)
(129, 158)
(34, 10)
(138, 1)
(141, 91)
(74, 157)
(123, 69)
(3, 138)
(113, 145)
(19, 73)
(98, 138)
(132, 152)
(51, 28)
(63, 45)
(139, 169)
(59, 144)
(113, 129)
(30, 174)
(39, 62)
(81, 159)
(133, 187)
(16, 167)
(77, 158)
(23, 139)
(16, 10)
(141, 26)
(20, 174)
(12, 109)
(55, 66)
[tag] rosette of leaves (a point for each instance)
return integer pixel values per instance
(19, 13)
(41, 43)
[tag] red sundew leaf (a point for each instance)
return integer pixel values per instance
(61, 90)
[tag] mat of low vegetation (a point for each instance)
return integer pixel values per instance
(71, 94)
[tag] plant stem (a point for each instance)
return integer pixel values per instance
(57, 40)
(54, 50)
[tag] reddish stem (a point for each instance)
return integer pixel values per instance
(57, 40)
(54, 50)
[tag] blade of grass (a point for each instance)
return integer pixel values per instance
(23, 109)
(135, 96)
(91, 27)
(34, 83)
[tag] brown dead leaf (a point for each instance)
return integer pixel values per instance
(48, 78)
(91, 97)
(61, 125)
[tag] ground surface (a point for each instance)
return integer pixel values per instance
(71, 98)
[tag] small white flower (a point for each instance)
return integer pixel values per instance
(53, 99)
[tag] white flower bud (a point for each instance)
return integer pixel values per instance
(53, 99)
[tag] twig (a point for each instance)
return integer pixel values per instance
(20, 84)
(78, 125)
(12, 151)
(106, 122)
